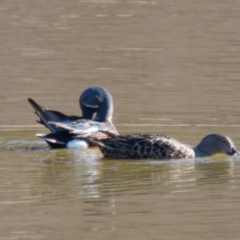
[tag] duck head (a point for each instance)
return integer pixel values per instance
(97, 100)
(215, 144)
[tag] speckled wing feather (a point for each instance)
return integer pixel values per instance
(83, 128)
(45, 115)
(142, 146)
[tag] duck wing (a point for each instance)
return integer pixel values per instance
(85, 128)
(47, 115)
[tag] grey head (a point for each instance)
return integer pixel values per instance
(99, 100)
(214, 144)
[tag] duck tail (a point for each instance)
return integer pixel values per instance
(43, 113)
(47, 115)
(52, 141)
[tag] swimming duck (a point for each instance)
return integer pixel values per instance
(88, 103)
(93, 99)
(143, 146)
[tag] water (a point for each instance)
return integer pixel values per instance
(70, 194)
(172, 67)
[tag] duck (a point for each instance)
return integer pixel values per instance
(80, 128)
(150, 146)
(154, 146)
(88, 104)
(93, 100)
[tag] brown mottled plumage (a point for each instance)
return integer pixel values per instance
(141, 146)
(144, 146)
(86, 126)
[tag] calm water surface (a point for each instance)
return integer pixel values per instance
(172, 67)
(72, 194)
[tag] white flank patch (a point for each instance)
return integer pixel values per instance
(76, 143)
(40, 135)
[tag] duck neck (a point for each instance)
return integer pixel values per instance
(87, 113)
(199, 152)
(105, 110)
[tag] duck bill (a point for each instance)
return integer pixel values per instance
(237, 153)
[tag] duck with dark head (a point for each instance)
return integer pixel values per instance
(147, 146)
(150, 146)
(93, 100)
